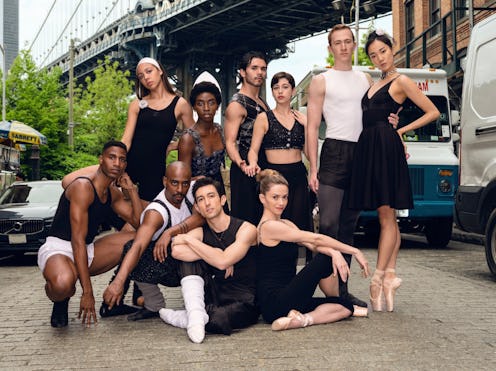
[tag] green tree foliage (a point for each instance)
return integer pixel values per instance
(101, 107)
(36, 98)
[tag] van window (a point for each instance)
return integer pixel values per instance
(484, 84)
(436, 131)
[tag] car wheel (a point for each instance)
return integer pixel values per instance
(438, 232)
(491, 242)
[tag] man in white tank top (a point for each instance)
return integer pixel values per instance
(336, 94)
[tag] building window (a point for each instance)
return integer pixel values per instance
(410, 21)
(461, 8)
(435, 16)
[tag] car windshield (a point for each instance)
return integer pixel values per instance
(436, 131)
(31, 193)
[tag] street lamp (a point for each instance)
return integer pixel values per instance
(3, 82)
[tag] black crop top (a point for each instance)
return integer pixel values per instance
(278, 137)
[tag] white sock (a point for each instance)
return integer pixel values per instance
(176, 318)
(192, 288)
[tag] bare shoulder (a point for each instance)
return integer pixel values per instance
(317, 86)
(277, 225)
(404, 81)
(80, 188)
(134, 105)
(318, 80)
(247, 232)
(235, 114)
(247, 227)
(235, 107)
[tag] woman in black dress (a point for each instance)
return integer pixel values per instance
(286, 298)
(380, 179)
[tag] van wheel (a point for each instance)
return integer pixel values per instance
(491, 243)
(438, 232)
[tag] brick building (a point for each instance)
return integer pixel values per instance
(423, 30)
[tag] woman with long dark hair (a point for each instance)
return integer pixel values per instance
(151, 122)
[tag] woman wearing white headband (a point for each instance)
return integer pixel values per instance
(151, 121)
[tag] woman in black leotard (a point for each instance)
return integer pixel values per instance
(279, 289)
(151, 121)
(380, 179)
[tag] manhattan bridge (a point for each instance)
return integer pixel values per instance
(187, 36)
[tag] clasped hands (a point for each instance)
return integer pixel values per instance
(249, 170)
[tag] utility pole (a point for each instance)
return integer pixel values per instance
(357, 30)
(4, 73)
(71, 95)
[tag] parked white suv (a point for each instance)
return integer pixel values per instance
(476, 197)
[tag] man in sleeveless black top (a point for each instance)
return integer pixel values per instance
(240, 116)
(221, 254)
(69, 253)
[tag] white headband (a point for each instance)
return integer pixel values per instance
(148, 60)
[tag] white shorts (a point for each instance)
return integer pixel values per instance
(54, 246)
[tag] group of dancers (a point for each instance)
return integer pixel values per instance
(234, 264)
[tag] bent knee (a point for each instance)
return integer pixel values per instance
(61, 285)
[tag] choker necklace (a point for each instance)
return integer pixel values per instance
(387, 74)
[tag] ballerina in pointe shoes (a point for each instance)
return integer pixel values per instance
(386, 186)
(278, 284)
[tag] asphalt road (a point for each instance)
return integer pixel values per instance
(445, 318)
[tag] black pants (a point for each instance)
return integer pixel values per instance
(299, 293)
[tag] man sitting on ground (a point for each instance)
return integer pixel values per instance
(218, 269)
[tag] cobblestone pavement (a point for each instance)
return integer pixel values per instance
(445, 318)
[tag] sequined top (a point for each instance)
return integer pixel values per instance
(278, 137)
(246, 128)
(206, 165)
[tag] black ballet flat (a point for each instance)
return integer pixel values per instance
(142, 314)
(117, 310)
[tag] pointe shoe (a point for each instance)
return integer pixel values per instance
(360, 311)
(377, 301)
(390, 287)
(283, 323)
